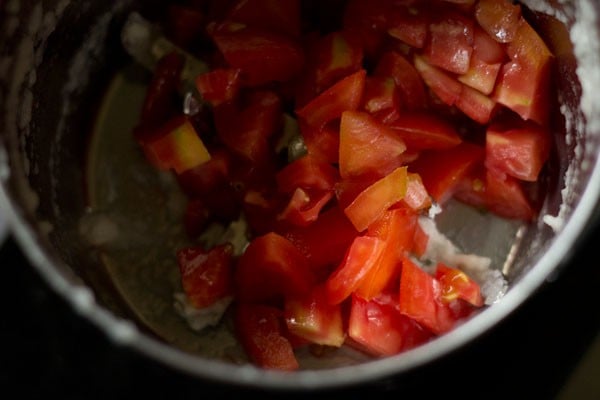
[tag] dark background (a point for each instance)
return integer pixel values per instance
(46, 349)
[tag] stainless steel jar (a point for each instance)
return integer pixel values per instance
(57, 59)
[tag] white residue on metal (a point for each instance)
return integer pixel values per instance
(146, 44)
(584, 36)
(235, 233)
(441, 249)
(200, 318)
(98, 229)
(78, 78)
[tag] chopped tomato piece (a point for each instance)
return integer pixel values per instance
(479, 107)
(322, 142)
(262, 56)
(209, 184)
(501, 195)
(411, 26)
(456, 284)
(372, 202)
(520, 150)
(450, 42)
(246, 130)
(206, 276)
(159, 101)
(270, 269)
(441, 83)
(273, 15)
(506, 197)
(176, 146)
(420, 131)
(407, 78)
(325, 241)
(499, 18)
(337, 55)
(524, 82)
(397, 229)
(362, 256)
(418, 294)
(378, 328)
(421, 299)
(421, 240)
(416, 198)
(261, 332)
(184, 24)
(442, 170)
(368, 19)
(219, 85)
(368, 147)
(381, 98)
(307, 172)
(305, 206)
(313, 318)
(196, 217)
(481, 76)
(344, 95)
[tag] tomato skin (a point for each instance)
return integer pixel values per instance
(416, 198)
(378, 328)
(450, 42)
(381, 97)
(506, 197)
(409, 26)
(270, 269)
(477, 106)
(421, 130)
(337, 55)
(368, 19)
(304, 206)
(307, 172)
(420, 298)
(439, 81)
(397, 229)
(519, 151)
(261, 332)
(325, 241)
(344, 95)
(372, 202)
(322, 142)
(486, 61)
(408, 80)
(524, 81)
(219, 85)
(209, 185)
(158, 105)
(362, 256)
(273, 15)
(312, 317)
(441, 171)
(206, 276)
(500, 194)
(247, 129)
(367, 147)
(498, 18)
(418, 294)
(247, 48)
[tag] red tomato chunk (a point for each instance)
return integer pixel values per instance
(398, 106)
